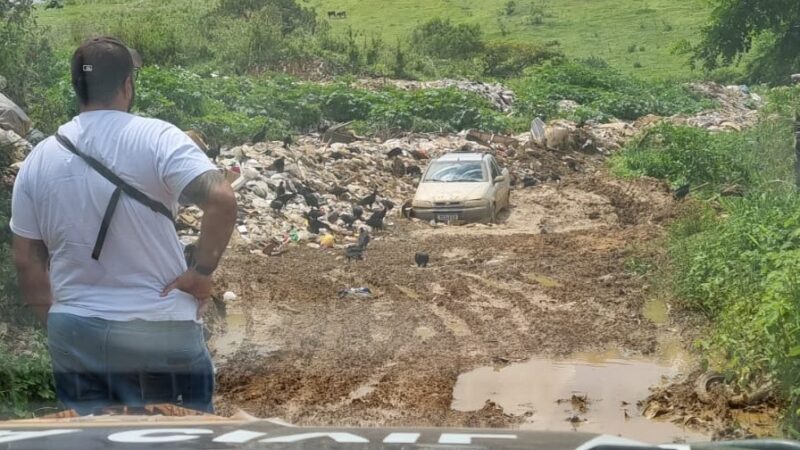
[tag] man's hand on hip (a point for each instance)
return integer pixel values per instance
(196, 284)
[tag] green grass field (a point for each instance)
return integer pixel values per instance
(633, 35)
(604, 28)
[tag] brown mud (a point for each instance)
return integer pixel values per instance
(552, 280)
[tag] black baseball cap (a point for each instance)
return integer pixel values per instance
(99, 67)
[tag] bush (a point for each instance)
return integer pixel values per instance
(510, 59)
(739, 268)
(26, 57)
(440, 38)
(594, 85)
(683, 154)
(26, 379)
(290, 14)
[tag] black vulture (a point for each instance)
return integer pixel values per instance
(311, 199)
(394, 153)
(369, 200)
(388, 204)
(278, 165)
(421, 259)
(353, 252)
(682, 192)
(376, 219)
(363, 238)
(358, 212)
(281, 189)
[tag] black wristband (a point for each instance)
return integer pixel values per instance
(204, 270)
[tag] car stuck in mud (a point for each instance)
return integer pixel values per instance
(462, 187)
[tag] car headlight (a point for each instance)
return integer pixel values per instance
(421, 204)
(475, 203)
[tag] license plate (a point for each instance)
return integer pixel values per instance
(447, 217)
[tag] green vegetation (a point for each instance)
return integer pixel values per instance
(26, 379)
(767, 31)
(738, 267)
(601, 28)
(601, 91)
(25, 374)
(231, 109)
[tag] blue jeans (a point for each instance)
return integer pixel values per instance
(99, 363)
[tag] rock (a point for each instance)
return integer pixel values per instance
(13, 118)
(11, 141)
(795, 78)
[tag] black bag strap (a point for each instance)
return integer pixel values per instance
(122, 186)
(131, 191)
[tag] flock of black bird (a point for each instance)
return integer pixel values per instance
(318, 220)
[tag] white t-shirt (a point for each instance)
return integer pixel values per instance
(60, 200)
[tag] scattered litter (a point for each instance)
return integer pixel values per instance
(359, 292)
(229, 296)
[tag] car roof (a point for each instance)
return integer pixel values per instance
(461, 157)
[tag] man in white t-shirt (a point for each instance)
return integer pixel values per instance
(105, 271)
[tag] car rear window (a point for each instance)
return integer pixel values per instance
(456, 171)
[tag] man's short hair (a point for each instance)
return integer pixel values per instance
(99, 68)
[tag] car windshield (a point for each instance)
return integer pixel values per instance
(456, 171)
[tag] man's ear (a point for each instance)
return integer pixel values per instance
(127, 87)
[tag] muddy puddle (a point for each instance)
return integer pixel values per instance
(592, 392)
(226, 343)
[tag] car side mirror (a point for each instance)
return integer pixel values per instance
(499, 178)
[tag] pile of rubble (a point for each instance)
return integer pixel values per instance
(498, 95)
(318, 193)
(738, 108)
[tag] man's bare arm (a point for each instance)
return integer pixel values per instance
(213, 194)
(32, 261)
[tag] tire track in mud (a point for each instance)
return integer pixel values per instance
(490, 294)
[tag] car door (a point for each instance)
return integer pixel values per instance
(493, 187)
(502, 188)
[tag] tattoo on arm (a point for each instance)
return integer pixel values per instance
(199, 189)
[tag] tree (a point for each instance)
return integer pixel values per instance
(769, 30)
(441, 38)
(26, 58)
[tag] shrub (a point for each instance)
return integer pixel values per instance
(26, 378)
(682, 154)
(441, 38)
(510, 7)
(593, 84)
(26, 57)
(509, 59)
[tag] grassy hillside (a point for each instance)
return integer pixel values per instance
(605, 28)
(633, 35)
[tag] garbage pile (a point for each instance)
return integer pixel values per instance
(498, 95)
(319, 193)
(738, 108)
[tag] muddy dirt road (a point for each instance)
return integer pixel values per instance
(552, 280)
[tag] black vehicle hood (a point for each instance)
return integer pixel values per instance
(196, 433)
